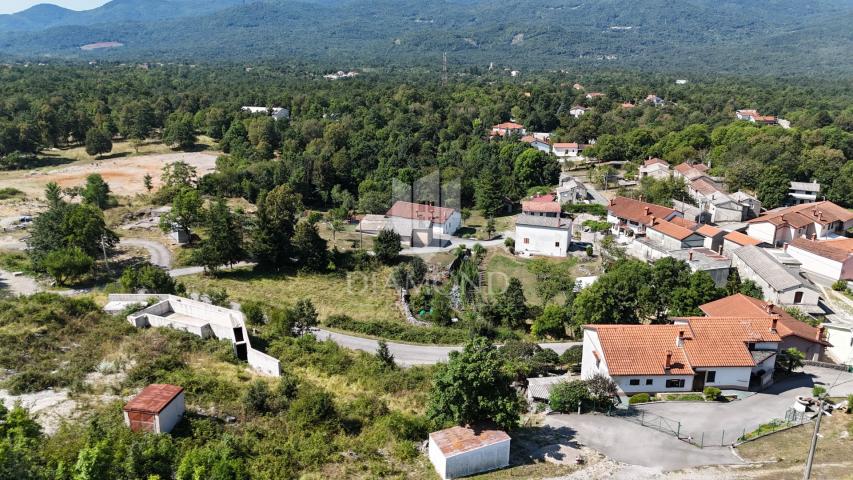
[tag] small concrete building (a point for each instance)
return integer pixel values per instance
(461, 451)
(157, 408)
(780, 284)
(832, 259)
(541, 230)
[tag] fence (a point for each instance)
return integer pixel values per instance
(834, 366)
(708, 438)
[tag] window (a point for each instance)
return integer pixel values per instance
(526, 241)
(649, 381)
(634, 381)
(798, 297)
(710, 376)
(557, 244)
(750, 346)
(675, 383)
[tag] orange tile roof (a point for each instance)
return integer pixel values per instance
(742, 239)
(722, 341)
(671, 229)
(837, 250)
(798, 216)
(704, 186)
(566, 145)
(153, 398)
(742, 305)
(653, 161)
(641, 349)
(683, 222)
(508, 126)
(420, 211)
(708, 231)
(541, 207)
(637, 211)
(456, 440)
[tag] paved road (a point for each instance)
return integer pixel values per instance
(183, 272)
(631, 443)
(160, 255)
(409, 354)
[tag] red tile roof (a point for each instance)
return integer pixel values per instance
(671, 229)
(641, 349)
(799, 216)
(420, 211)
(548, 197)
(742, 239)
(708, 231)
(742, 305)
(153, 398)
(637, 211)
(683, 222)
(653, 161)
(837, 250)
(566, 145)
(541, 207)
(456, 440)
(722, 341)
(704, 186)
(688, 171)
(508, 126)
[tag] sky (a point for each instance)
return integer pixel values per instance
(12, 6)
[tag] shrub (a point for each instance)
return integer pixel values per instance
(573, 355)
(602, 389)
(639, 398)
(566, 396)
(509, 243)
(149, 278)
(398, 331)
(849, 403)
(256, 398)
(68, 264)
(253, 311)
(387, 246)
(840, 286)
(589, 251)
(712, 393)
(818, 391)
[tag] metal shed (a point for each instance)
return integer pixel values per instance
(157, 408)
(462, 451)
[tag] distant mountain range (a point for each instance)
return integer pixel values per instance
(734, 36)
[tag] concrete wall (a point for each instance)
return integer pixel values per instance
(713, 243)
(658, 383)
(542, 240)
(812, 350)
(483, 459)
(841, 338)
(437, 459)
(454, 221)
(264, 363)
(764, 231)
(166, 420)
(821, 265)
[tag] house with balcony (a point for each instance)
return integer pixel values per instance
(820, 220)
(803, 192)
(631, 217)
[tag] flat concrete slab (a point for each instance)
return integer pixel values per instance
(633, 444)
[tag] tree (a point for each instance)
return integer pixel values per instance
(488, 192)
(441, 313)
(386, 358)
(511, 305)
(401, 277)
(97, 191)
(186, 212)
(490, 228)
(569, 396)
(616, 297)
(552, 278)
(310, 248)
(149, 278)
(224, 242)
(472, 388)
(178, 175)
(277, 216)
(419, 270)
(773, 187)
(68, 264)
(602, 389)
(551, 322)
(136, 120)
(179, 131)
(699, 290)
(387, 246)
(664, 277)
(305, 316)
(98, 142)
(147, 182)
(791, 359)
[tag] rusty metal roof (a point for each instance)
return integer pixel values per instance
(153, 398)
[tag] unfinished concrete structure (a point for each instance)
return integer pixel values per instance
(198, 318)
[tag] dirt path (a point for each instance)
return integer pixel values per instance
(20, 285)
(160, 255)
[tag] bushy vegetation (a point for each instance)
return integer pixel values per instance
(639, 398)
(712, 393)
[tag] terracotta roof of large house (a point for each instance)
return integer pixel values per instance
(671, 229)
(508, 126)
(742, 239)
(701, 167)
(420, 211)
(456, 440)
(683, 222)
(740, 304)
(153, 398)
(641, 349)
(688, 171)
(566, 145)
(722, 341)
(637, 211)
(541, 207)
(799, 216)
(837, 250)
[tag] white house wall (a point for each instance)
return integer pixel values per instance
(841, 338)
(542, 241)
(658, 383)
(483, 459)
(764, 231)
(728, 377)
(166, 420)
(826, 267)
(437, 459)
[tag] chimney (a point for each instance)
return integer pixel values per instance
(721, 249)
(668, 360)
(646, 210)
(814, 237)
(769, 307)
(690, 256)
(773, 323)
(612, 202)
(679, 342)
(820, 216)
(820, 332)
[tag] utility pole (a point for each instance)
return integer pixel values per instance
(808, 473)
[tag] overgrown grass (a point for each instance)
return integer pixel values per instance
(9, 192)
(765, 428)
(683, 397)
(399, 331)
(15, 262)
(501, 267)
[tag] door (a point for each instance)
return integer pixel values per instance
(699, 382)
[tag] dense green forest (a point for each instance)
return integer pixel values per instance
(347, 140)
(780, 37)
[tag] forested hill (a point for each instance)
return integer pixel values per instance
(737, 36)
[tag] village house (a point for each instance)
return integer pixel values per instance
(542, 230)
(594, 95)
(566, 150)
(631, 217)
(507, 129)
(713, 237)
(577, 110)
(840, 336)
(734, 240)
(812, 341)
(627, 105)
(198, 318)
(655, 168)
(277, 113)
(538, 144)
(803, 192)
(672, 236)
(821, 220)
(462, 451)
(654, 100)
(690, 172)
(445, 220)
(701, 259)
(156, 409)
(752, 204)
(832, 259)
(779, 284)
(695, 352)
(571, 190)
(755, 117)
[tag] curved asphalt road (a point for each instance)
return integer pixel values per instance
(410, 354)
(160, 255)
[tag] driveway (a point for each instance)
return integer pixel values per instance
(410, 354)
(633, 444)
(160, 255)
(734, 418)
